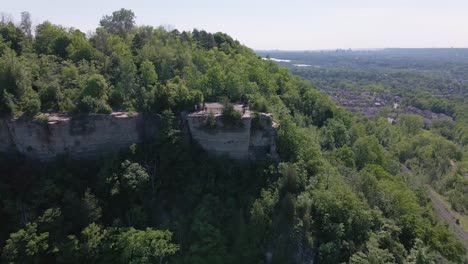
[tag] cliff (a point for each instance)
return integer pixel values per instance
(254, 138)
(90, 136)
(262, 141)
(84, 137)
(219, 140)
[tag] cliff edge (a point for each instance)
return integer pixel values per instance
(94, 135)
(81, 137)
(254, 137)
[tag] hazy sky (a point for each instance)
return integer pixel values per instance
(285, 24)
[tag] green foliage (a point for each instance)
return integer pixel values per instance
(289, 140)
(92, 242)
(145, 246)
(410, 124)
(79, 48)
(132, 178)
(334, 134)
(230, 116)
(444, 127)
(346, 155)
(210, 121)
(26, 245)
(30, 245)
(148, 74)
(30, 103)
(255, 123)
(52, 96)
(12, 36)
(51, 39)
(93, 96)
(92, 212)
(211, 246)
(373, 254)
(120, 22)
(367, 150)
(15, 87)
(258, 104)
(318, 106)
(95, 86)
(340, 217)
(89, 104)
(454, 186)
(422, 254)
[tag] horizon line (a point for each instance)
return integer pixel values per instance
(356, 49)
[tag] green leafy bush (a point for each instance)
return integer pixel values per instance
(230, 116)
(255, 123)
(210, 121)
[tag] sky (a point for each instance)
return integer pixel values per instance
(282, 25)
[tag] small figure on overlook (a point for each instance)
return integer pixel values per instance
(244, 108)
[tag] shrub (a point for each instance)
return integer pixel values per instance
(92, 105)
(230, 116)
(94, 96)
(87, 104)
(210, 121)
(256, 121)
(31, 103)
(259, 104)
(42, 118)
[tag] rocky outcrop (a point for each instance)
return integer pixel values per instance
(91, 136)
(262, 140)
(84, 137)
(254, 138)
(233, 141)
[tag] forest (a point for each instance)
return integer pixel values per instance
(348, 189)
(429, 79)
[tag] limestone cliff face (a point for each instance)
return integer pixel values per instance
(253, 139)
(263, 137)
(219, 140)
(80, 137)
(91, 136)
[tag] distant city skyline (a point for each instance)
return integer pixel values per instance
(279, 25)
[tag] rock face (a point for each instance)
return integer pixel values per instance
(84, 137)
(263, 137)
(219, 140)
(91, 136)
(254, 138)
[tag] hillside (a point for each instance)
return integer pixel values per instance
(427, 84)
(337, 195)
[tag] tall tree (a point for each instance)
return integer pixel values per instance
(79, 48)
(145, 246)
(120, 22)
(12, 36)
(26, 25)
(26, 246)
(51, 39)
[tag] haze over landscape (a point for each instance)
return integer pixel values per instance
(283, 25)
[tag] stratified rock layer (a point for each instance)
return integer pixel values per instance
(84, 137)
(254, 138)
(91, 136)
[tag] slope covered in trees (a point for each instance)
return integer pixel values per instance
(433, 80)
(337, 196)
